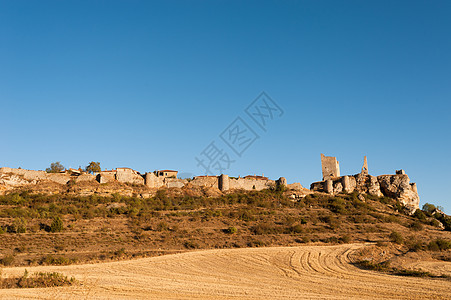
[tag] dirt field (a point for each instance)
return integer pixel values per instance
(305, 272)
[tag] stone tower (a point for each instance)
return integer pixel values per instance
(365, 166)
(330, 166)
(224, 182)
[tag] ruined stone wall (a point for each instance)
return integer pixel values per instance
(330, 167)
(153, 181)
(207, 181)
(34, 176)
(105, 177)
(125, 175)
(60, 178)
(26, 174)
(85, 177)
(250, 184)
(175, 183)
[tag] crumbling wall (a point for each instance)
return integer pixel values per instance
(85, 177)
(105, 177)
(126, 175)
(250, 184)
(207, 181)
(26, 174)
(330, 167)
(61, 178)
(296, 186)
(174, 182)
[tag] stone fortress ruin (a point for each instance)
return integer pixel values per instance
(396, 186)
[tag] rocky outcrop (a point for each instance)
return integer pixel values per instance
(13, 180)
(394, 186)
(399, 187)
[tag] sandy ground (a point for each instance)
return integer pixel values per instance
(305, 272)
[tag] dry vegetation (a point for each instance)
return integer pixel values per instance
(62, 229)
(36, 280)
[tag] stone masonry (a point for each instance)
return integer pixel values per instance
(330, 166)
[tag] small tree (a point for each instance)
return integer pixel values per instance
(55, 167)
(429, 208)
(93, 167)
(57, 225)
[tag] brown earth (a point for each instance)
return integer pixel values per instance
(303, 272)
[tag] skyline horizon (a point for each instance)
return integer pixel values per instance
(174, 84)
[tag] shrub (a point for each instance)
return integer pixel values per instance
(296, 228)
(190, 245)
(19, 225)
(61, 260)
(162, 226)
(256, 243)
(429, 208)
(446, 221)
(345, 239)
(44, 280)
(369, 265)
(231, 230)
(265, 228)
(7, 260)
(439, 245)
(415, 245)
(396, 237)
(55, 167)
(417, 226)
(419, 214)
(57, 225)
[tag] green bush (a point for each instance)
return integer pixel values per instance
(396, 237)
(60, 260)
(231, 230)
(419, 214)
(428, 208)
(19, 225)
(57, 225)
(162, 226)
(439, 245)
(416, 225)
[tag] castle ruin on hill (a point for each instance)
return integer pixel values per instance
(396, 186)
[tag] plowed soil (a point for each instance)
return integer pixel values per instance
(305, 272)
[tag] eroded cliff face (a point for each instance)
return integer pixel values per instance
(394, 186)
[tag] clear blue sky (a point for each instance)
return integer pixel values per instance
(149, 85)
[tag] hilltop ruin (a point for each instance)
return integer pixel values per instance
(11, 178)
(396, 186)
